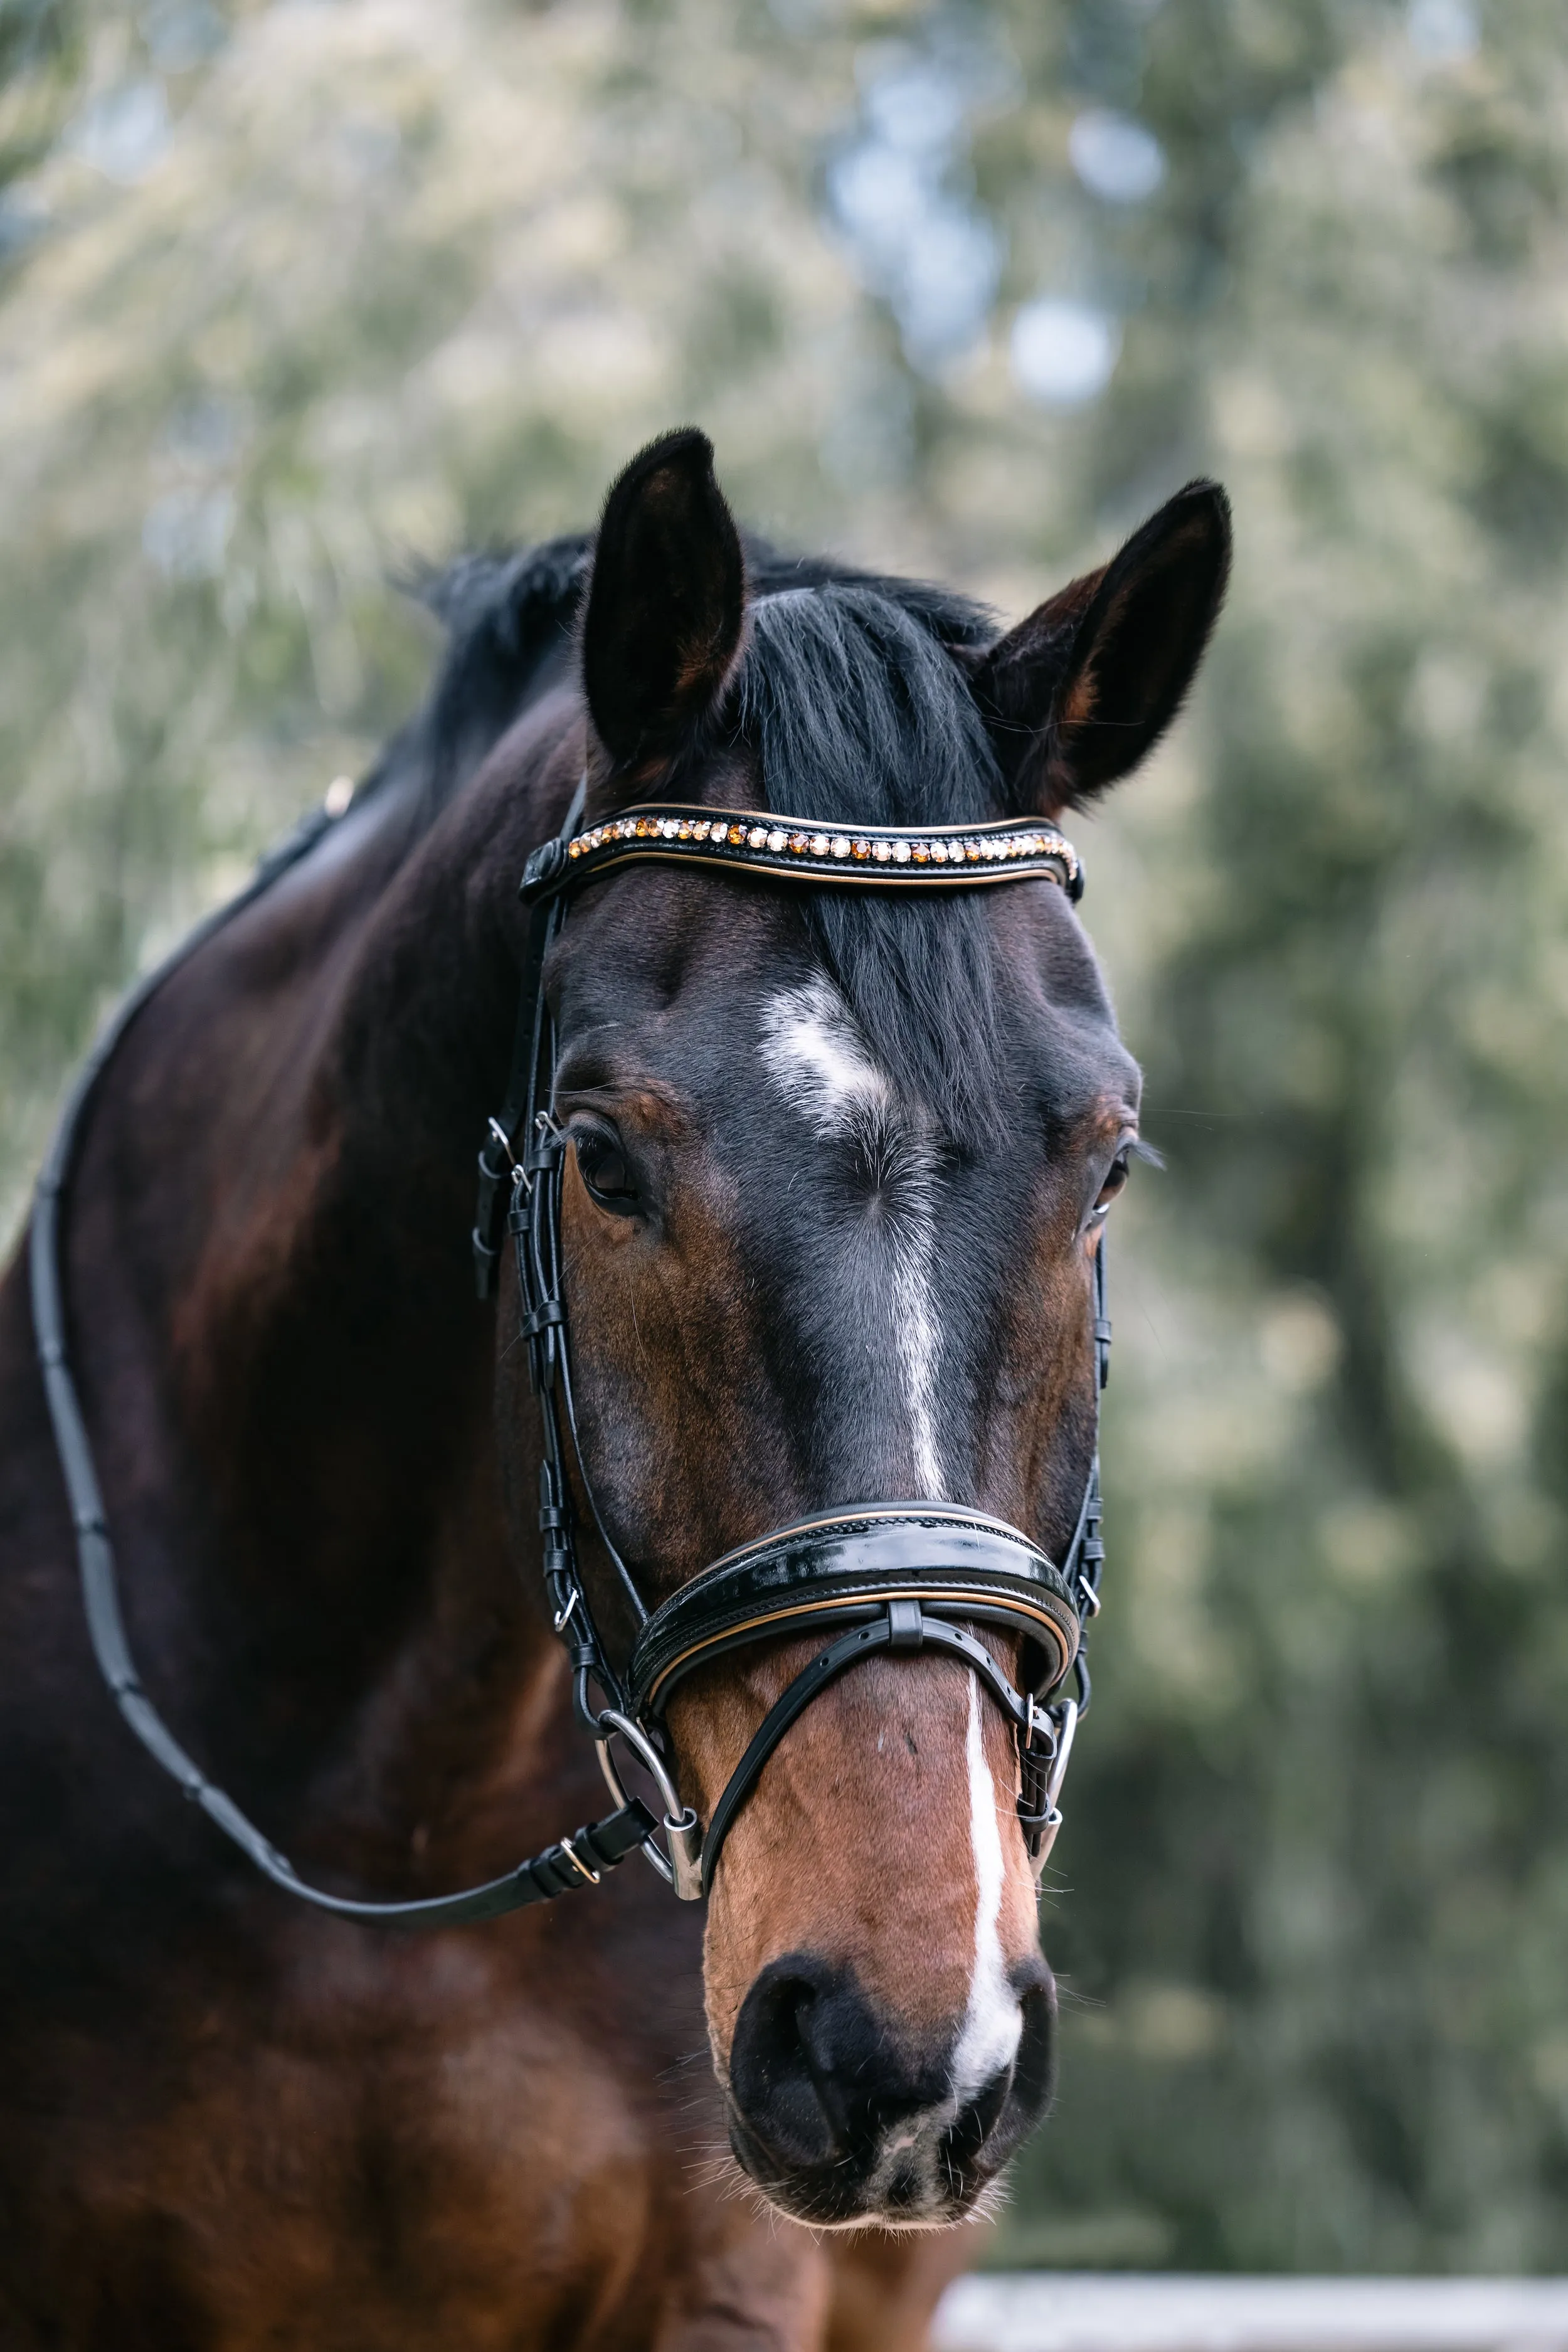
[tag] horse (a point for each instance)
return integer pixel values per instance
(832, 1172)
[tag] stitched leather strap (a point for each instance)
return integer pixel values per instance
(902, 1626)
(852, 1564)
(802, 850)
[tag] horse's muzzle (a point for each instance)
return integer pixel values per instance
(840, 2118)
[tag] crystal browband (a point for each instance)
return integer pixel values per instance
(755, 841)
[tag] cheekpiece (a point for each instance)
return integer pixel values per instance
(800, 849)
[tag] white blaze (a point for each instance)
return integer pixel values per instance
(993, 2021)
(816, 1058)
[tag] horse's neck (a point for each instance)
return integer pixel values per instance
(295, 1136)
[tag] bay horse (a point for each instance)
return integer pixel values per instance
(831, 1173)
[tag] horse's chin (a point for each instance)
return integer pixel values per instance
(831, 2196)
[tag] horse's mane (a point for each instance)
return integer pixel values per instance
(849, 693)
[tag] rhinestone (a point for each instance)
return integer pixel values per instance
(643, 828)
(881, 851)
(972, 851)
(670, 827)
(799, 842)
(736, 835)
(939, 852)
(860, 849)
(574, 849)
(777, 838)
(900, 853)
(920, 852)
(683, 830)
(841, 845)
(819, 844)
(757, 837)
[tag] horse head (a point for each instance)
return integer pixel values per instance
(838, 1167)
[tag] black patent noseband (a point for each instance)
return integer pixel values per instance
(899, 1577)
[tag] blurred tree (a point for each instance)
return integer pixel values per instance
(298, 298)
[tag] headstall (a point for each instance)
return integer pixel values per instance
(891, 1576)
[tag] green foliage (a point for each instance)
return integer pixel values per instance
(380, 280)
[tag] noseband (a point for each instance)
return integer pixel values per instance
(898, 1577)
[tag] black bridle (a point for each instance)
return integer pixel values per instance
(894, 1576)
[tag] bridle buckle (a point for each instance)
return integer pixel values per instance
(1044, 1765)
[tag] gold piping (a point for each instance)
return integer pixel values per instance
(860, 1601)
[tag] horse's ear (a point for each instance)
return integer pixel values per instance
(1078, 693)
(666, 603)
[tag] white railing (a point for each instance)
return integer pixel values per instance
(1083, 2311)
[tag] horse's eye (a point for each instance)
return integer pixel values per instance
(602, 1164)
(1115, 1178)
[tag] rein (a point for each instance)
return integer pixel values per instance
(895, 1577)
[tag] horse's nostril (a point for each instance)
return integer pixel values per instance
(782, 2071)
(974, 2124)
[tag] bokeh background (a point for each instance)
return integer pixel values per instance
(297, 298)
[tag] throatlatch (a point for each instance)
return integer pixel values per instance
(899, 1577)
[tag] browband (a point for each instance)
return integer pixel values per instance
(799, 849)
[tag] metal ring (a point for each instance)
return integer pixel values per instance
(681, 1867)
(1066, 1718)
(648, 1756)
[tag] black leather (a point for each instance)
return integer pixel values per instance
(901, 1625)
(868, 857)
(848, 1567)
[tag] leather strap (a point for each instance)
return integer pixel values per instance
(526, 1039)
(577, 1860)
(902, 1626)
(802, 849)
(854, 1563)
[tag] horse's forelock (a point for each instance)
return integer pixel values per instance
(859, 715)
